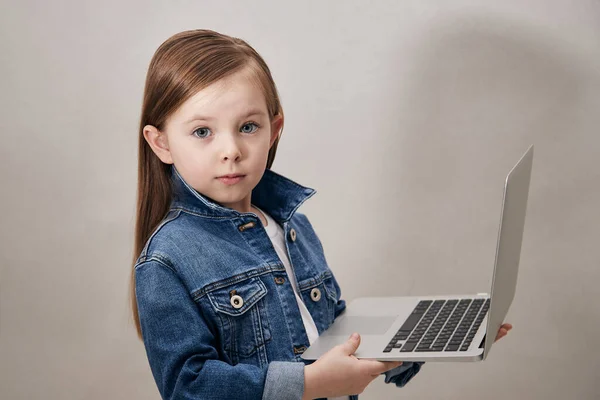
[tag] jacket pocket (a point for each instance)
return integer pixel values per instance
(242, 312)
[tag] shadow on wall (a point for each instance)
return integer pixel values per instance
(480, 91)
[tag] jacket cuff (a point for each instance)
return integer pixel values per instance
(285, 380)
(401, 375)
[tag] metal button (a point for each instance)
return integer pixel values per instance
(236, 301)
(315, 294)
(279, 280)
(249, 225)
(293, 234)
(299, 349)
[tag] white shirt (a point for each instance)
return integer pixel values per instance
(275, 232)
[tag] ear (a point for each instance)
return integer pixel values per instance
(276, 126)
(158, 143)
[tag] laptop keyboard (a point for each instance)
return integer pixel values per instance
(440, 325)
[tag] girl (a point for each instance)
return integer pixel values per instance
(230, 284)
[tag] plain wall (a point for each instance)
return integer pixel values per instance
(405, 116)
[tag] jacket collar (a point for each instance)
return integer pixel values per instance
(279, 196)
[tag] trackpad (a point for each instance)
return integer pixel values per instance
(346, 325)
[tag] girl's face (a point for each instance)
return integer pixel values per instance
(219, 140)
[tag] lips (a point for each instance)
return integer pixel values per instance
(231, 179)
(230, 176)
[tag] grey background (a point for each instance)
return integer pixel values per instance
(405, 116)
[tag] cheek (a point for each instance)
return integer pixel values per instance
(261, 149)
(197, 176)
(192, 162)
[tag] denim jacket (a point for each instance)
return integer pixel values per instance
(218, 314)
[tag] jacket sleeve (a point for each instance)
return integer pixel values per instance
(181, 348)
(401, 375)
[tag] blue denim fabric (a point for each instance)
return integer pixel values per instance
(201, 342)
(404, 373)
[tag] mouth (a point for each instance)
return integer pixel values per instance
(231, 176)
(231, 179)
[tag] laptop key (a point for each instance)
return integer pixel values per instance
(411, 322)
(408, 347)
(452, 347)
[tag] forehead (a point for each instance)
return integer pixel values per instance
(230, 95)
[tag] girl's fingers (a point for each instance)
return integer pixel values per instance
(503, 331)
(379, 367)
(501, 334)
(391, 366)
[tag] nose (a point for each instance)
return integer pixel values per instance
(231, 150)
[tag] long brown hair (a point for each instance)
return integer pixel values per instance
(184, 64)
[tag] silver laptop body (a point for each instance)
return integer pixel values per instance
(441, 328)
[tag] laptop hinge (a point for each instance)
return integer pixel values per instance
(482, 342)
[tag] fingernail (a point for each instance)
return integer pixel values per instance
(354, 336)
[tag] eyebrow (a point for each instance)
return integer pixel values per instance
(251, 112)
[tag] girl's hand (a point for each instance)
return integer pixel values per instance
(503, 331)
(339, 373)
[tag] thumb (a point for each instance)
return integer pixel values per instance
(351, 344)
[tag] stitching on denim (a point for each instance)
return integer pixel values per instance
(144, 254)
(314, 282)
(276, 177)
(197, 294)
(197, 214)
(261, 348)
(308, 196)
(253, 312)
(331, 292)
(248, 303)
(165, 263)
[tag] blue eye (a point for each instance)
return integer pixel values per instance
(251, 125)
(202, 133)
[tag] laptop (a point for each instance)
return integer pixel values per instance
(441, 328)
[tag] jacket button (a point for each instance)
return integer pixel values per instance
(248, 225)
(315, 294)
(293, 234)
(299, 349)
(236, 301)
(279, 280)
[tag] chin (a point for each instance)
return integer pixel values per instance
(230, 198)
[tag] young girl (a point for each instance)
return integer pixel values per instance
(230, 284)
